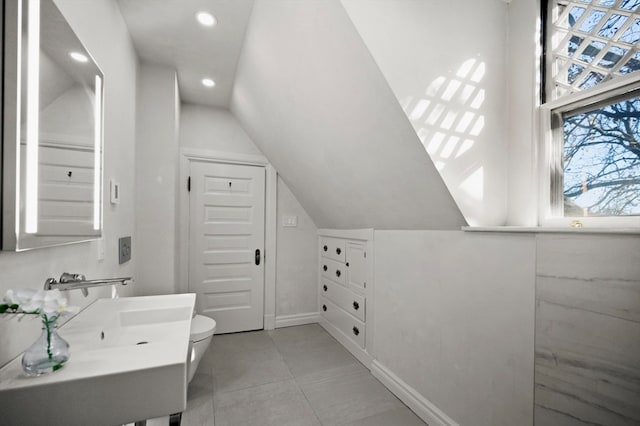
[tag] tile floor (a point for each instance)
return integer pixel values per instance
(294, 376)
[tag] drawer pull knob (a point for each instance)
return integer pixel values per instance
(338, 273)
(324, 287)
(324, 308)
(356, 331)
(325, 248)
(356, 305)
(347, 264)
(338, 250)
(324, 268)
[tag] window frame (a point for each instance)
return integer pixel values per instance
(550, 151)
(551, 201)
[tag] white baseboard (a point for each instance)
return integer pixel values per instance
(424, 408)
(297, 319)
(362, 355)
(269, 322)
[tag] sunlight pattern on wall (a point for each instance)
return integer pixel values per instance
(448, 121)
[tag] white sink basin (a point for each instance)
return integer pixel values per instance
(128, 362)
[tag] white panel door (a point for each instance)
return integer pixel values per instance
(226, 231)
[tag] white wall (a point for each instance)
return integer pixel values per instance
(454, 319)
(213, 129)
(156, 181)
(297, 262)
(100, 26)
(438, 56)
(315, 103)
(217, 129)
(523, 93)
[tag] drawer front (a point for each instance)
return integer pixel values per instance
(344, 298)
(332, 248)
(351, 327)
(333, 270)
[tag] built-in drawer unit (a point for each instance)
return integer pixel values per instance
(351, 327)
(332, 248)
(334, 270)
(344, 298)
(345, 288)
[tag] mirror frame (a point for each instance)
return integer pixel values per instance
(10, 126)
(11, 19)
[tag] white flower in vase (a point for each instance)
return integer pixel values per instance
(50, 351)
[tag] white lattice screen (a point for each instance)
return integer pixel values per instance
(591, 41)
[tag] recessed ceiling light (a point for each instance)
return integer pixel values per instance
(77, 56)
(207, 82)
(206, 19)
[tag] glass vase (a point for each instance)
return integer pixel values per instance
(48, 353)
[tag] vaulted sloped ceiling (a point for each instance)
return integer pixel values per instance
(314, 101)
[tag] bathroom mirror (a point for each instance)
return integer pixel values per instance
(52, 136)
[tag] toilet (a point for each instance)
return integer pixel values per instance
(202, 329)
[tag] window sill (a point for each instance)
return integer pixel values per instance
(545, 230)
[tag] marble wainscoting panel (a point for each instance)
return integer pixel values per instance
(587, 359)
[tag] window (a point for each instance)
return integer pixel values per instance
(592, 119)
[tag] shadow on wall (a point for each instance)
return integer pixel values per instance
(449, 122)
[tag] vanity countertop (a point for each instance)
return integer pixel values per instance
(135, 370)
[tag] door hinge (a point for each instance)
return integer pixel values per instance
(189, 184)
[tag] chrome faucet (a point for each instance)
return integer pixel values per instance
(69, 281)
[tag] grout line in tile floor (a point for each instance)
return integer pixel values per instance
(294, 378)
(296, 371)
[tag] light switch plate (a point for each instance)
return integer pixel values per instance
(114, 190)
(124, 249)
(289, 221)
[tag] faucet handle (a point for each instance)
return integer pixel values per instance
(49, 282)
(66, 277)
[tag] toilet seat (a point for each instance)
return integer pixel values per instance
(201, 328)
